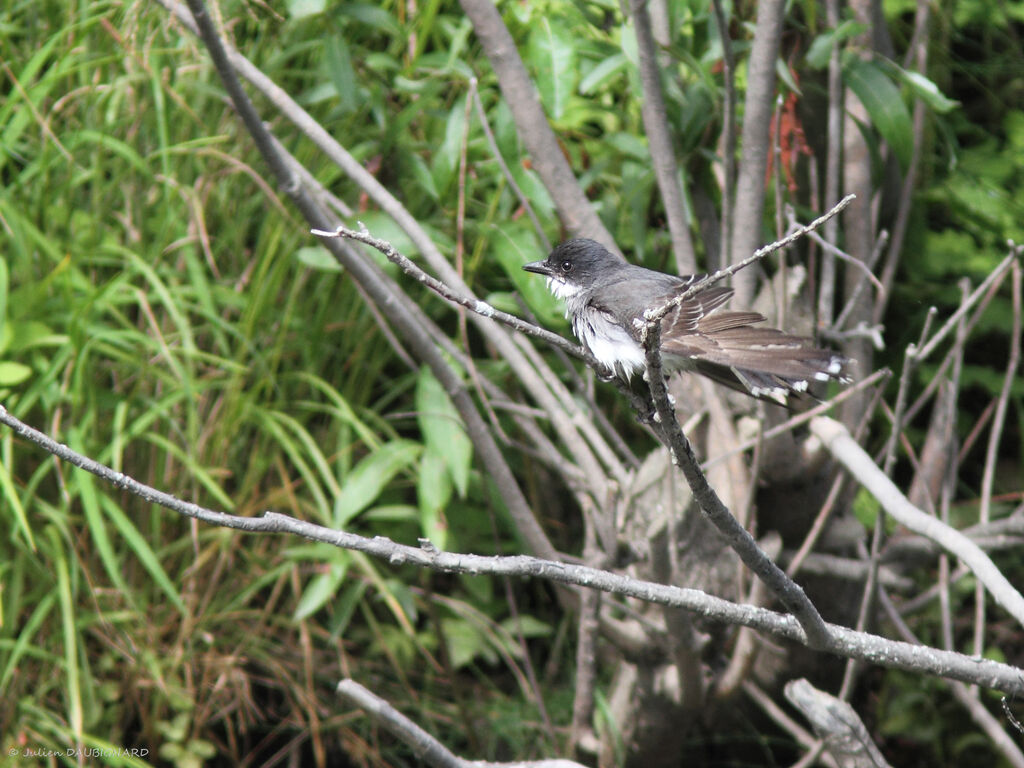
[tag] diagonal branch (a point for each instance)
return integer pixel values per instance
(575, 211)
(663, 156)
(847, 452)
(370, 279)
(426, 747)
(792, 595)
(480, 307)
(655, 315)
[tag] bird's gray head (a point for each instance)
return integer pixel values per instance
(574, 266)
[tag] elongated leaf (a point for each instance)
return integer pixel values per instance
(300, 9)
(339, 67)
(442, 429)
(371, 476)
(12, 502)
(4, 282)
(320, 589)
(141, 549)
(434, 490)
(928, 91)
(98, 530)
(604, 71)
(552, 53)
(884, 104)
(372, 15)
(319, 258)
(446, 160)
(515, 245)
(12, 373)
(71, 637)
(821, 48)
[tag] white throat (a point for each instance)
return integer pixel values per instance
(561, 289)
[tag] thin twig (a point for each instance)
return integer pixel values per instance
(728, 133)
(656, 314)
(479, 307)
(663, 156)
(990, 282)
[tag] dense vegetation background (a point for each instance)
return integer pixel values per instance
(164, 310)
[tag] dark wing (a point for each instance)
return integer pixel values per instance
(726, 347)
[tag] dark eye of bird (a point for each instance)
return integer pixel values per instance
(566, 266)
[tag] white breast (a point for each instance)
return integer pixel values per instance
(608, 342)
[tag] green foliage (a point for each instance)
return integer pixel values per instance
(163, 309)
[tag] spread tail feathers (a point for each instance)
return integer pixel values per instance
(762, 362)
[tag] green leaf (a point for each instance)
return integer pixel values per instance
(345, 606)
(320, 589)
(142, 551)
(20, 335)
(12, 373)
(319, 258)
(821, 49)
(442, 429)
(12, 502)
(552, 53)
(884, 104)
(371, 476)
(101, 541)
(446, 159)
(371, 15)
(300, 9)
(339, 68)
(434, 490)
(4, 285)
(515, 245)
(602, 73)
(785, 75)
(526, 625)
(465, 643)
(926, 90)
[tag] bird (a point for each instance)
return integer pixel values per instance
(606, 299)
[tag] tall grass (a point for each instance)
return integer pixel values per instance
(157, 318)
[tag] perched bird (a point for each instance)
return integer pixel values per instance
(606, 299)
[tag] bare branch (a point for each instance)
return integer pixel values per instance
(817, 635)
(990, 283)
(728, 142)
(833, 170)
(837, 724)
(757, 115)
(843, 642)
(846, 450)
(663, 156)
(992, 451)
(479, 307)
(425, 746)
(574, 209)
(655, 315)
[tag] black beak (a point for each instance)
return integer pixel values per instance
(540, 267)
